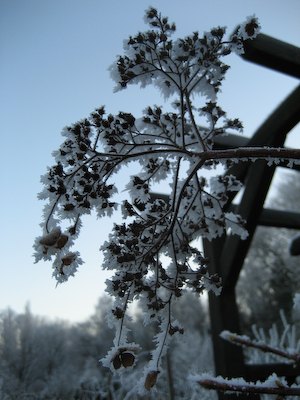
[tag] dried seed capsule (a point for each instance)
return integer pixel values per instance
(151, 379)
(117, 362)
(127, 359)
(51, 238)
(62, 240)
(68, 259)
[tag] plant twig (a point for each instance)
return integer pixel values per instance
(249, 388)
(245, 341)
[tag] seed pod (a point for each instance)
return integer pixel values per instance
(51, 238)
(151, 379)
(117, 362)
(68, 259)
(127, 359)
(62, 240)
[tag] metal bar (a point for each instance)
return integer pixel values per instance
(279, 123)
(255, 372)
(273, 53)
(234, 250)
(276, 218)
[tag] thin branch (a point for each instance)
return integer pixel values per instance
(249, 388)
(189, 106)
(251, 152)
(245, 341)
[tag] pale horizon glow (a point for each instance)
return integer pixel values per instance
(54, 57)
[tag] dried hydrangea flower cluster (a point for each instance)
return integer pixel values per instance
(151, 253)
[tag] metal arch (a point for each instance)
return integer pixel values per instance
(227, 254)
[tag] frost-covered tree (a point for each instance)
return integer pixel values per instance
(269, 279)
(34, 357)
(153, 253)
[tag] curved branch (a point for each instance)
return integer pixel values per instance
(252, 152)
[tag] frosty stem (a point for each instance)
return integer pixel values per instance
(226, 386)
(244, 341)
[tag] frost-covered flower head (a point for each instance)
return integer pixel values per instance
(249, 29)
(151, 252)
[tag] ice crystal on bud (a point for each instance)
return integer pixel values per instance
(250, 28)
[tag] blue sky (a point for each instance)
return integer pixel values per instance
(54, 56)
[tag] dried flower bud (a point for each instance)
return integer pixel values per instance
(51, 238)
(127, 359)
(117, 362)
(118, 312)
(251, 26)
(62, 240)
(68, 259)
(151, 379)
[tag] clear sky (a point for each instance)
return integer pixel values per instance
(54, 56)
